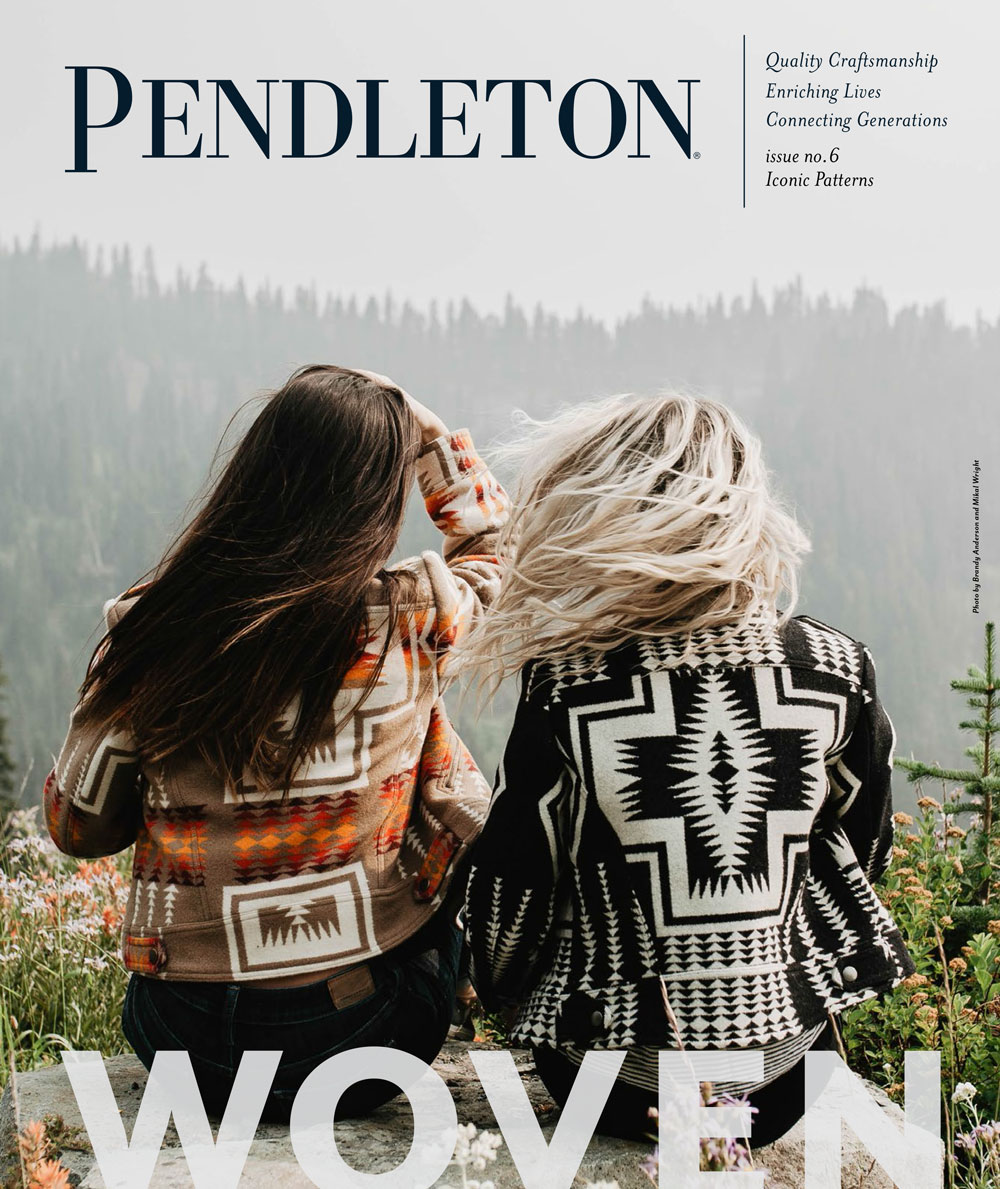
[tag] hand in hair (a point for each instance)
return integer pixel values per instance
(431, 425)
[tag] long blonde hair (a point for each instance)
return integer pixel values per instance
(634, 516)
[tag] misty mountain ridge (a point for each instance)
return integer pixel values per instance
(114, 389)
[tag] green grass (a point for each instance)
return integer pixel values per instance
(62, 981)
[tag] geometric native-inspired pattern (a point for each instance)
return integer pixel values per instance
(701, 818)
(360, 851)
(170, 847)
(438, 757)
(275, 839)
(306, 922)
(342, 759)
(396, 795)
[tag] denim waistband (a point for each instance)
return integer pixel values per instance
(429, 937)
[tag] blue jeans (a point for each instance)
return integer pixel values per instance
(410, 1008)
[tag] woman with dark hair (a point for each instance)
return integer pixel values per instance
(264, 720)
(694, 801)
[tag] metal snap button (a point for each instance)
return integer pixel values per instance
(597, 1019)
(850, 974)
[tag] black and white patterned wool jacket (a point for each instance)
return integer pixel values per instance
(711, 819)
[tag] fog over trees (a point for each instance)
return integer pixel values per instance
(115, 386)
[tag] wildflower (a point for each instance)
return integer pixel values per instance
(717, 1155)
(927, 1016)
(946, 921)
(904, 870)
(898, 852)
(958, 966)
(915, 980)
(902, 819)
(926, 803)
(474, 1148)
(896, 1089)
(33, 1142)
(918, 998)
(954, 832)
(34, 1147)
(957, 864)
(651, 1165)
(50, 1174)
(922, 865)
(993, 928)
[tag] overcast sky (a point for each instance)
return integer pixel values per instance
(569, 232)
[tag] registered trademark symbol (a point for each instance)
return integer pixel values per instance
(697, 156)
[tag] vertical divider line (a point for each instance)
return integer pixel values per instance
(744, 121)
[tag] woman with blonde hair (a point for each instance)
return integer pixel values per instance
(694, 801)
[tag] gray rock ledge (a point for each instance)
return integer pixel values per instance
(379, 1142)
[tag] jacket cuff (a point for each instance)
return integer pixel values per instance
(447, 461)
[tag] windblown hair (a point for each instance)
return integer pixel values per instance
(634, 516)
(260, 607)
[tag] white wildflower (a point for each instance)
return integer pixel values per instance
(473, 1149)
(964, 1092)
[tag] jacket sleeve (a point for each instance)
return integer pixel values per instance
(517, 862)
(92, 799)
(864, 779)
(470, 507)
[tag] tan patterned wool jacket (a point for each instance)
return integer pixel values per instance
(243, 884)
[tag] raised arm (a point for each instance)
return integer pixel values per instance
(470, 508)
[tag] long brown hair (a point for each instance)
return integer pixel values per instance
(262, 599)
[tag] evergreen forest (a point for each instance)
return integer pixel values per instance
(116, 384)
